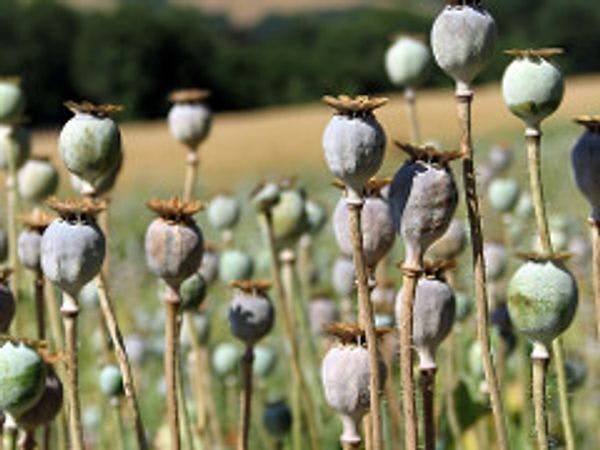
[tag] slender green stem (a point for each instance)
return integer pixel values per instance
(246, 399)
(10, 434)
(540, 367)
(191, 174)
(116, 405)
(410, 98)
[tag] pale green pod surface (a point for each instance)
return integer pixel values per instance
(503, 194)
(189, 123)
(532, 88)
(277, 418)
(38, 179)
(464, 306)
(251, 316)
(22, 378)
(90, 146)
(384, 320)
(192, 292)
(47, 407)
(12, 102)
(223, 212)
(585, 161)
(89, 296)
(235, 265)
(524, 208)
(266, 196)
(463, 39)
(474, 360)
(542, 300)
(265, 360)
(225, 358)
(92, 418)
(316, 216)
(500, 158)
(102, 185)
(137, 348)
(407, 61)
(289, 216)
(15, 146)
(111, 381)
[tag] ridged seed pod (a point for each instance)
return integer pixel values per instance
(343, 276)
(277, 418)
(407, 61)
(452, 243)
(7, 302)
(15, 146)
(500, 158)
(12, 100)
(226, 358)
(585, 160)
(111, 381)
(193, 292)
(251, 311)
(100, 185)
(30, 239)
(47, 407)
(322, 310)
(503, 194)
(496, 260)
(224, 212)
(189, 118)
(289, 215)
(38, 179)
(316, 216)
(265, 360)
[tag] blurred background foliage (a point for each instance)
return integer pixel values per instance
(137, 52)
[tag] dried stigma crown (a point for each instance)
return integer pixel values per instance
(544, 53)
(351, 333)
(37, 220)
(372, 187)
(360, 105)
(429, 154)
(591, 123)
(191, 95)
(76, 208)
(174, 209)
(253, 287)
(540, 257)
(85, 107)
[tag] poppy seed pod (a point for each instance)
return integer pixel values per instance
(15, 146)
(209, 267)
(503, 194)
(423, 198)
(542, 299)
(7, 302)
(235, 265)
(251, 311)
(192, 292)
(463, 39)
(73, 245)
(316, 216)
(100, 185)
(384, 320)
(38, 179)
(47, 407)
(89, 295)
(265, 195)
(452, 243)
(407, 61)
(137, 348)
(189, 118)
(289, 216)
(343, 276)
(433, 316)
(265, 359)
(22, 378)
(383, 297)
(524, 208)
(277, 418)
(464, 305)
(111, 381)
(354, 141)
(322, 310)
(12, 100)
(532, 85)
(223, 212)
(174, 243)
(585, 160)
(496, 260)
(225, 358)
(500, 158)
(30, 239)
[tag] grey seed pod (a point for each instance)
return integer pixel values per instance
(7, 306)
(225, 358)
(407, 61)
(265, 360)
(89, 296)
(12, 101)
(343, 276)
(451, 244)
(235, 265)
(38, 179)
(383, 297)
(500, 158)
(316, 216)
(322, 310)
(542, 300)
(192, 292)
(265, 196)
(251, 315)
(90, 142)
(354, 143)
(189, 123)
(377, 229)
(576, 373)
(463, 39)
(29, 247)
(289, 217)
(3, 245)
(464, 306)
(223, 212)
(15, 146)
(503, 194)
(496, 260)
(433, 317)
(277, 418)
(47, 407)
(111, 381)
(585, 161)
(22, 378)
(209, 267)
(532, 87)
(72, 252)
(524, 208)
(423, 198)
(137, 348)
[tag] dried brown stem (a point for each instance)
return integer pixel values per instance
(38, 288)
(172, 303)
(427, 382)
(540, 367)
(246, 399)
(191, 174)
(595, 229)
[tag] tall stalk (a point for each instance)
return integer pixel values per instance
(12, 207)
(246, 398)
(595, 230)
(540, 369)
(191, 174)
(427, 382)
(410, 98)
(464, 97)
(38, 290)
(172, 303)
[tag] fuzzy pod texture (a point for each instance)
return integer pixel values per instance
(343, 276)
(38, 179)
(89, 295)
(354, 148)
(585, 161)
(378, 234)
(7, 307)
(532, 88)
(235, 265)
(407, 61)
(289, 217)
(225, 358)
(22, 378)
(251, 316)
(189, 123)
(433, 316)
(72, 253)
(224, 212)
(15, 146)
(29, 248)
(321, 311)
(90, 146)
(277, 418)
(542, 300)
(111, 381)
(3, 245)
(47, 407)
(265, 360)
(173, 249)
(383, 298)
(452, 243)
(316, 216)
(503, 194)
(496, 260)
(423, 198)
(12, 102)
(209, 267)
(100, 185)
(463, 39)
(500, 158)
(192, 292)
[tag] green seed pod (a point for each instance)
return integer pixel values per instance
(22, 378)
(15, 146)
(111, 381)
(47, 407)
(89, 295)
(28, 248)
(503, 194)
(474, 362)
(464, 306)
(542, 299)
(322, 310)
(189, 118)
(463, 39)
(7, 302)
(223, 212)
(407, 61)
(289, 216)
(384, 320)
(343, 276)
(354, 141)
(102, 184)
(38, 179)
(137, 348)
(496, 260)
(277, 418)
(585, 161)
(316, 216)
(265, 195)
(90, 142)
(451, 244)
(225, 358)
(524, 208)
(192, 292)
(265, 360)
(532, 85)
(209, 267)
(92, 418)
(235, 265)
(251, 311)
(12, 101)
(500, 158)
